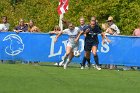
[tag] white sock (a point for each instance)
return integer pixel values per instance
(68, 61)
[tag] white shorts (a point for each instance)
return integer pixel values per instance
(73, 46)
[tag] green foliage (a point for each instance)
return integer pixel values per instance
(44, 12)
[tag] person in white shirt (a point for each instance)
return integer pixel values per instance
(114, 30)
(4, 26)
(73, 42)
(114, 27)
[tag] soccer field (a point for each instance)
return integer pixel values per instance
(18, 78)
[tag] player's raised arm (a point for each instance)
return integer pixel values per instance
(59, 34)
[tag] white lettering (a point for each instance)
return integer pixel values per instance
(81, 45)
(105, 47)
(52, 48)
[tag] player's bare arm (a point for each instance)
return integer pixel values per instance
(59, 34)
(78, 36)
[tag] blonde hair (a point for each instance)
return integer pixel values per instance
(34, 29)
(105, 26)
(21, 20)
(57, 28)
(82, 18)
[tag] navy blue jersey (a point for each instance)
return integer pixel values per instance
(24, 28)
(92, 35)
(83, 28)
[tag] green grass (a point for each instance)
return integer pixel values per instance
(18, 78)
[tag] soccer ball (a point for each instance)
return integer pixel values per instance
(77, 53)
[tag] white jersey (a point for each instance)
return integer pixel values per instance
(72, 34)
(115, 28)
(4, 27)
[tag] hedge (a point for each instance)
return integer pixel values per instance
(126, 13)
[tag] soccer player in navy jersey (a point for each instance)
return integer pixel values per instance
(91, 43)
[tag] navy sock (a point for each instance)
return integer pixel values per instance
(84, 61)
(96, 59)
(88, 60)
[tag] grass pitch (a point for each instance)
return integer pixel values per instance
(18, 78)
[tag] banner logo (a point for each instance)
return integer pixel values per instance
(15, 45)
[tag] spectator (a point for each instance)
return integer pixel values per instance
(94, 19)
(56, 30)
(114, 30)
(111, 24)
(22, 27)
(32, 27)
(5, 25)
(108, 31)
(136, 32)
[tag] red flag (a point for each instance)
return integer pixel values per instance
(63, 6)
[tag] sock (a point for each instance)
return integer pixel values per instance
(96, 59)
(65, 59)
(88, 60)
(84, 62)
(67, 62)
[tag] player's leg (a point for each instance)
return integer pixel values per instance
(86, 57)
(68, 49)
(62, 62)
(68, 52)
(94, 51)
(96, 59)
(71, 55)
(74, 47)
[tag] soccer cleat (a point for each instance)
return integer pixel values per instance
(86, 65)
(56, 64)
(61, 63)
(89, 66)
(94, 66)
(98, 68)
(82, 67)
(65, 66)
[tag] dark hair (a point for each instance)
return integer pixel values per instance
(4, 17)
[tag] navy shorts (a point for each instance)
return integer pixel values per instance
(88, 46)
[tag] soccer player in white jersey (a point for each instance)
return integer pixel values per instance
(73, 42)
